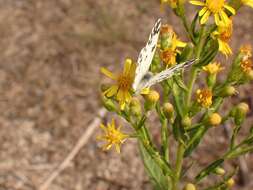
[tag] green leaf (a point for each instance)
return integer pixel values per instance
(159, 180)
(179, 100)
(209, 169)
(193, 24)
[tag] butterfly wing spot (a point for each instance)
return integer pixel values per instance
(153, 48)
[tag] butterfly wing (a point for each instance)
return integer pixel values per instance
(146, 55)
(167, 73)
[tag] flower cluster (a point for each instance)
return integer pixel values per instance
(185, 109)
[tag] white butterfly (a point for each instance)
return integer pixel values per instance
(144, 78)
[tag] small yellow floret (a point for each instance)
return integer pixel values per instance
(246, 65)
(112, 136)
(204, 97)
(213, 68)
(246, 50)
(215, 119)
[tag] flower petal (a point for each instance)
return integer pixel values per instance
(230, 9)
(199, 3)
(249, 3)
(224, 18)
(205, 17)
(217, 19)
(180, 43)
(202, 11)
(127, 66)
(108, 73)
(111, 91)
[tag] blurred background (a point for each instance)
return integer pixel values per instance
(50, 55)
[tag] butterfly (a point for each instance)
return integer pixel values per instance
(144, 78)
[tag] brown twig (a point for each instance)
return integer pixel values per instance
(81, 142)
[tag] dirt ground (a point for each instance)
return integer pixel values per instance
(50, 55)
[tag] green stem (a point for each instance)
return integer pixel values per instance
(194, 73)
(179, 163)
(165, 140)
(194, 69)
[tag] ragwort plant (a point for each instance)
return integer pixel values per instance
(176, 104)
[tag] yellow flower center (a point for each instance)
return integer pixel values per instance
(124, 82)
(225, 36)
(114, 136)
(204, 97)
(246, 65)
(215, 6)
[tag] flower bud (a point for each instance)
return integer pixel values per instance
(168, 110)
(214, 119)
(230, 182)
(135, 107)
(250, 75)
(220, 171)
(239, 112)
(211, 80)
(151, 99)
(243, 108)
(189, 186)
(228, 91)
(186, 121)
(109, 104)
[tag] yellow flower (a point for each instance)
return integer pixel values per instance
(248, 2)
(215, 7)
(123, 84)
(223, 34)
(112, 136)
(213, 68)
(204, 97)
(246, 65)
